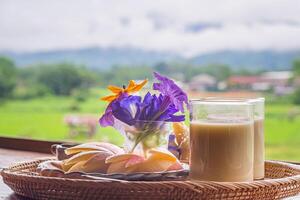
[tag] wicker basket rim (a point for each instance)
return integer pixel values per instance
(260, 183)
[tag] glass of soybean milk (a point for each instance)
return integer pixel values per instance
(221, 140)
(259, 140)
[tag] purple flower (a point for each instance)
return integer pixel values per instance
(107, 119)
(127, 109)
(159, 109)
(168, 88)
(133, 111)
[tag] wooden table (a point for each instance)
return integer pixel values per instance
(8, 157)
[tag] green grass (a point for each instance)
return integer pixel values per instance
(43, 119)
(282, 135)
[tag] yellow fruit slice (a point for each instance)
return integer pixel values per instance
(134, 160)
(83, 156)
(78, 167)
(94, 146)
(158, 161)
(66, 167)
(113, 148)
(119, 167)
(124, 163)
(161, 155)
(175, 166)
(78, 150)
(97, 163)
(154, 166)
(120, 157)
(179, 129)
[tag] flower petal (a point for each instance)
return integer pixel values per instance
(107, 119)
(131, 85)
(109, 98)
(126, 109)
(139, 86)
(114, 89)
(167, 87)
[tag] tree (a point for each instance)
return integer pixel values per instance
(8, 73)
(296, 67)
(220, 72)
(120, 75)
(296, 71)
(62, 78)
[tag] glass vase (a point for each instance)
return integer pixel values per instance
(144, 135)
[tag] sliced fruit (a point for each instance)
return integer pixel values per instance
(120, 157)
(94, 146)
(179, 129)
(83, 156)
(97, 163)
(124, 163)
(175, 166)
(161, 155)
(76, 150)
(154, 166)
(78, 167)
(113, 148)
(159, 160)
(134, 160)
(119, 167)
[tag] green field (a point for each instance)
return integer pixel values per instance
(43, 119)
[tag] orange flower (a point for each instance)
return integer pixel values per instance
(131, 88)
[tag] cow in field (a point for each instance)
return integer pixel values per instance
(86, 124)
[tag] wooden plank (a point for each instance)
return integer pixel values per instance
(27, 144)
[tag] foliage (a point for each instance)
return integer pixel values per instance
(296, 71)
(220, 72)
(8, 74)
(296, 67)
(61, 79)
(30, 91)
(121, 74)
(80, 95)
(296, 96)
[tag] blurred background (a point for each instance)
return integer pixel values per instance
(57, 57)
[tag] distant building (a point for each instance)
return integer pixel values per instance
(277, 81)
(243, 82)
(203, 82)
(277, 78)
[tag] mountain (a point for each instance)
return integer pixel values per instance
(254, 60)
(104, 58)
(99, 58)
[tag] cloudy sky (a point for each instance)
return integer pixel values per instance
(187, 27)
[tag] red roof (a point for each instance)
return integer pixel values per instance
(244, 79)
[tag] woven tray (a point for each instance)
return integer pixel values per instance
(283, 180)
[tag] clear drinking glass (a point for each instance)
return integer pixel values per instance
(221, 140)
(259, 138)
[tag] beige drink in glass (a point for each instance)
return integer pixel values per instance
(222, 140)
(259, 140)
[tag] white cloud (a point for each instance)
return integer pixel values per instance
(33, 25)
